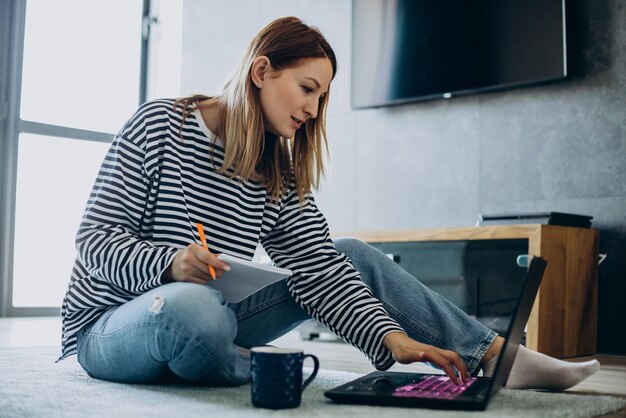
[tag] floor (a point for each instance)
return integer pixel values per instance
(333, 354)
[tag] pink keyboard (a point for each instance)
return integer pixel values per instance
(439, 387)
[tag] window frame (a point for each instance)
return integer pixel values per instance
(13, 17)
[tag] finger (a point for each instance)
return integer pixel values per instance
(192, 265)
(446, 365)
(205, 270)
(219, 267)
(208, 258)
(199, 262)
(218, 273)
(192, 268)
(460, 365)
(201, 271)
(219, 264)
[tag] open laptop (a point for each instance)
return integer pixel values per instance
(436, 390)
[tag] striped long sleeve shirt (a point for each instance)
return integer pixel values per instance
(150, 192)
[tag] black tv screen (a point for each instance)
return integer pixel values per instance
(410, 50)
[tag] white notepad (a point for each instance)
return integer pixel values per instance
(245, 278)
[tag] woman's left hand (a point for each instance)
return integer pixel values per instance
(405, 350)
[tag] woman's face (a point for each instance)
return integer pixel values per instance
(292, 96)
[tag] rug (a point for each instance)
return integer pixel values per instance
(32, 385)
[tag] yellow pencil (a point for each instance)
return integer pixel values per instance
(206, 247)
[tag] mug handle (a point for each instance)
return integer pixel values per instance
(316, 366)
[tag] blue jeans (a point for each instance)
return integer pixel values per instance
(186, 331)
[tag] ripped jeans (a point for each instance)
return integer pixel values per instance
(186, 331)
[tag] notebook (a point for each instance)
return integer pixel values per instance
(438, 391)
(245, 278)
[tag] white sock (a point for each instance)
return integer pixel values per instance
(533, 370)
(490, 367)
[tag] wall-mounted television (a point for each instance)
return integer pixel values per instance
(411, 50)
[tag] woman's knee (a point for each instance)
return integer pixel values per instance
(362, 255)
(194, 309)
(351, 246)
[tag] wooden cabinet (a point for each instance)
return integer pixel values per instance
(563, 322)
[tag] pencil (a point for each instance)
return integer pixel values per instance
(206, 247)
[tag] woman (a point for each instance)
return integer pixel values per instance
(243, 165)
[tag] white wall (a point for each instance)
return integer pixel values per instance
(388, 166)
(215, 36)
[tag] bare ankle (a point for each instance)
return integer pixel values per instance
(493, 351)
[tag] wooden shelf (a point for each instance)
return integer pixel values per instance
(563, 322)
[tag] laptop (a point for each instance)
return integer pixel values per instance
(438, 391)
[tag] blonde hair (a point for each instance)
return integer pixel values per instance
(251, 153)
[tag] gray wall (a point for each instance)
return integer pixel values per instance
(556, 147)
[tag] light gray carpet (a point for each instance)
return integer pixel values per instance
(32, 385)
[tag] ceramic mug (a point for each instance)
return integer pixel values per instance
(277, 376)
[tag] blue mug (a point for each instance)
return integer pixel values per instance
(277, 376)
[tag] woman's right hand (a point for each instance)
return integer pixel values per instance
(192, 265)
(405, 350)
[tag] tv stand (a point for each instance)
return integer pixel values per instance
(563, 322)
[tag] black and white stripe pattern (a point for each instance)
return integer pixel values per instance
(151, 191)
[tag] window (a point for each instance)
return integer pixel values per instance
(47, 216)
(81, 63)
(78, 69)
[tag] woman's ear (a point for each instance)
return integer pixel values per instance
(260, 67)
